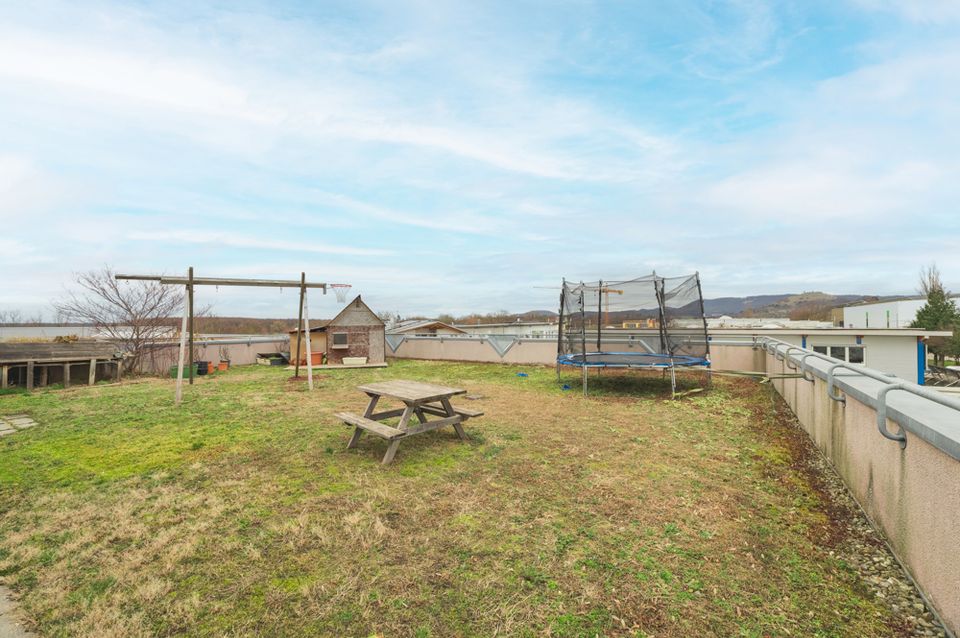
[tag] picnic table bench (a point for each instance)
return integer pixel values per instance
(419, 399)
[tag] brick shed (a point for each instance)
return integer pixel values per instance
(356, 332)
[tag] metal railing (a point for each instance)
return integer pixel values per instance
(781, 350)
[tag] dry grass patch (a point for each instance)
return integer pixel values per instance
(243, 513)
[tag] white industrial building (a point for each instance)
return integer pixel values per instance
(901, 353)
(898, 313)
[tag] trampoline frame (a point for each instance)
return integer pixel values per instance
(667, 360)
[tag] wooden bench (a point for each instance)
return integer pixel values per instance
(419, 400)
(381, 430)
(438, 410)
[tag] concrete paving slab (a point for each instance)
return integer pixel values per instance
(13, 423)
(10, 627)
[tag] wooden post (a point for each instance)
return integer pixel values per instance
(190, 308)
(183, 349)
(92, 376)
(303, 292)
(4, 376)
(43, 376)
(119, 369)
(29, 375)
(306, 332)
(66, 374)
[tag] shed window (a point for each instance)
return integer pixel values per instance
(339, 340)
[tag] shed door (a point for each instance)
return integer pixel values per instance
(318, 342)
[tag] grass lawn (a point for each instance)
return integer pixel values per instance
(242, 513)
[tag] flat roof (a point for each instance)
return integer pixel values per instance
(893, 332)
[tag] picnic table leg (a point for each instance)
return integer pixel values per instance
(391, 451)
(374, 398)
(420, 415)
(451, 412)
(354, 438)
(405, 417)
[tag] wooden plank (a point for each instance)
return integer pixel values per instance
(434, 410)
(432, 425)
(405, 417)
(178, 394)
(29, 375)
(223, 281)
(386, 414)
(374, 399)
(306, 332)
(456, 426)
(92, 375)
(354, 438)
(379, 429)
(441, 411)
(190, 307)
(391, 452)
(36, 359)
(413, 391)
(303, 291)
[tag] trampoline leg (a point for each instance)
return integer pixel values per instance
(584, 380)
(673, 382)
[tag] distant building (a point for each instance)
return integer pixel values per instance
(725, 321)
(356, 332)
(423, 328)
(650, 322)
(898, 313)
(518, 328)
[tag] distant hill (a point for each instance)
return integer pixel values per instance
(777, 305)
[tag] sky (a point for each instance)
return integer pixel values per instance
(458, 156)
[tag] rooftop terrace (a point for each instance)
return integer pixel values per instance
(621, 514)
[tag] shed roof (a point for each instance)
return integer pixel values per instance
(323, 324)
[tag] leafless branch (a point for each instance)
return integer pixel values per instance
(137, 315)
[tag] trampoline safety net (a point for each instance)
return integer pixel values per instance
(650, 321)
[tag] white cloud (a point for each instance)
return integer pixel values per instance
(235, 240)
(922, 11)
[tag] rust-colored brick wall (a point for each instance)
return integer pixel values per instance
(358, 341)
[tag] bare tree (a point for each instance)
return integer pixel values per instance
(137, 315)
(930, 280)
(389, 316)
(11, 316)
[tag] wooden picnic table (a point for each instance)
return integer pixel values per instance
(419, 399)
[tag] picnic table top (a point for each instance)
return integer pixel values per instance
(413, 391)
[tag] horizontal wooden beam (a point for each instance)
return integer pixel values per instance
(224, 281)
(22, 361)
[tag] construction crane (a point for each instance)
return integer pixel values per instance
(608, 291)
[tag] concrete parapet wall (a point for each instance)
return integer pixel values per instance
(540, 351)
(912, 493)
(243, 353)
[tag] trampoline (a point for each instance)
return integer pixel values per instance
(649, 322)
